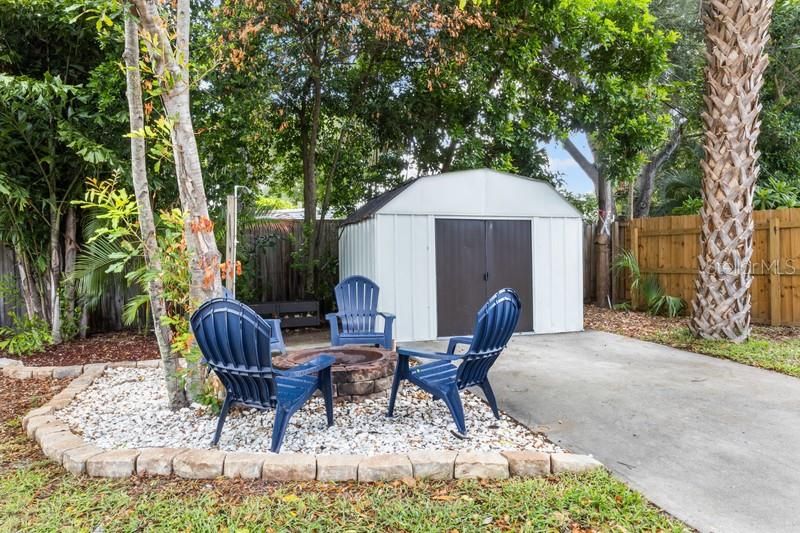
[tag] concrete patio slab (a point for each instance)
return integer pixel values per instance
(714, 443)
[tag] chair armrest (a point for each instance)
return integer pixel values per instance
(406, 352)
(455, 341)
(386, 315)
(332, 316)
(321, 362)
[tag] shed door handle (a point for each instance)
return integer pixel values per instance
(485, 276)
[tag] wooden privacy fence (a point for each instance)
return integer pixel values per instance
(274, 278)
(273, 245)
(668, 248)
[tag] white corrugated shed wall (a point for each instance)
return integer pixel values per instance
(557, 275)
(396, 247)
(357, 249)
(406, 273)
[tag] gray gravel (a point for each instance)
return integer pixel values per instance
(126, 408)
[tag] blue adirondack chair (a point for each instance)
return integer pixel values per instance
(496, 321)
(276, 340)
(235, 343)
(355, 322)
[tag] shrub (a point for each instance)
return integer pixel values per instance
(26, 335)
(652, 294)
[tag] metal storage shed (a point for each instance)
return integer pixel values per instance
(438, 246)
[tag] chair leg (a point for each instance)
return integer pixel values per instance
(327, 392)
(279, 429)
(393, 395)
(399, 373)
(453, 402)
(223, 413)
(489, 393)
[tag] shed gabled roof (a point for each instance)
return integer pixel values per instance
(448, 205)
(374, 205)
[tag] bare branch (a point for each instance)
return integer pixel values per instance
(589, 168)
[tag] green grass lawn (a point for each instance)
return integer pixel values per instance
(780, 355)
(36, 495)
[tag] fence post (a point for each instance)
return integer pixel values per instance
(635, 251)
(774, 271)
(615, 245)
(230, 242)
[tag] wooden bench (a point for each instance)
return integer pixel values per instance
(295, 314)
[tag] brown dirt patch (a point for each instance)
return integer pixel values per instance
(99, 348)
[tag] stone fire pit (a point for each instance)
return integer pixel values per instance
(359, 371)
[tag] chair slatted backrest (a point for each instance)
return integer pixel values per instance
(357, 300)
(495, 324)
(235, 343)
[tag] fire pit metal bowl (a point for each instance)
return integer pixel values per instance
(359, 371)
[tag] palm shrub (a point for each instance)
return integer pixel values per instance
(115, 248)
(651, 293)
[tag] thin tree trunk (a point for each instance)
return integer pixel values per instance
(70, 255)
(54, 274)
(736, 34)
(83, 325)
(449, 155)
(198, 230)
(310, 176)
(147, 226)
(41, 286)
(326, 195)
(30, 295)
(647, 176)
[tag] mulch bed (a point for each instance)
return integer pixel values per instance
(99, 348)
(641, 325)
(629, 323)
(131, 346)
(18, 396)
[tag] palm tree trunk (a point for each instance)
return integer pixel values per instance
(736, 34)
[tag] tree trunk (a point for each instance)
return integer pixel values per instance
(147, 226)
(736, 34)
(54, 274)
(30, 294)
(647, 176)
(204, 257)
(70, 255)
(83, 325)
(449, 155)
(606, 211)
(606, 208)
(309, 149)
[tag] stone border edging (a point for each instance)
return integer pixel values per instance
(19, 371)
(59, 444)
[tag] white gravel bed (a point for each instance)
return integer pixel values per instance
(126, 408)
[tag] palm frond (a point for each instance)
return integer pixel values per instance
(627, 261)
(91, 270)
(130, 312)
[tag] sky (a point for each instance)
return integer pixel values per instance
(575, 179)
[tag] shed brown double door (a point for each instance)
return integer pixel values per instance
(475, 259)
